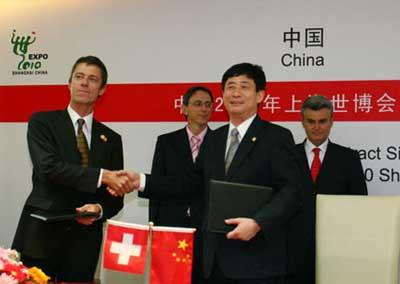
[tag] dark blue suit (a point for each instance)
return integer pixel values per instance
(172, 157)
(340, 173)
(61, 184)
(264, 157)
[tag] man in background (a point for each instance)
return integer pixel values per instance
(73, 156)
(326, 168)
(176, 152)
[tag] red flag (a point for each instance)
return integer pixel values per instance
(125, 247)
(171, 255)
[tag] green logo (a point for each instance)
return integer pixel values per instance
(30, 63)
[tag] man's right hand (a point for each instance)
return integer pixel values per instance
(117, 181)
(130, 179)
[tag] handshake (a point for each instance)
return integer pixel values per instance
(120, 182)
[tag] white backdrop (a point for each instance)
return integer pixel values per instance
(195, 41)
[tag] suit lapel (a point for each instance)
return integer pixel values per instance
(304, 162)
(218, 152)
(250, 139)
(325, 164)
(182, 145)
(98, 144)
(65, 130)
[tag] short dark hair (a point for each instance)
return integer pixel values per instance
(251, 71)
(189, 93)
(92, 60)
(316, 102)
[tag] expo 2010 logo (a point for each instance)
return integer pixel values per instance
(30, 63)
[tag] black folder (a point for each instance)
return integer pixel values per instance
(231, 200)
(51, 217)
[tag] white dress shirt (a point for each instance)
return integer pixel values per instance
(242, 129)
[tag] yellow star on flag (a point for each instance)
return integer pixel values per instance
(182, 245)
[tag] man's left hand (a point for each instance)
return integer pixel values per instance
(88, 208)
(246, 229)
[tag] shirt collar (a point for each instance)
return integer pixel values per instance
(243, 127)
(309, 146)
(75, 116)
(201, 135)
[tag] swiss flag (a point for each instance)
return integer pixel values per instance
(125, 247)
(171, 255)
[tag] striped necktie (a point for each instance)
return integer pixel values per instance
(82, 144)
(195, 145)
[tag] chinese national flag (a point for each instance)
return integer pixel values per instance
(125, 247)
(171, 255)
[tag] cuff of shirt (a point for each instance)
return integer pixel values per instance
(101, 211)
(142, 182)
(100, 177)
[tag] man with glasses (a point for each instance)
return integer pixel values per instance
(176, 152)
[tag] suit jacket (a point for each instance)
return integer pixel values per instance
(172, 157)
(264, 157)
(60, 184)
(341, 172)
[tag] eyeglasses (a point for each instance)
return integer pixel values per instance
(200, 104)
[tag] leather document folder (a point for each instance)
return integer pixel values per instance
(50, 218)
(231, 200)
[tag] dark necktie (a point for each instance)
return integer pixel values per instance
(234, 144)
(82, 144)
(316, 164)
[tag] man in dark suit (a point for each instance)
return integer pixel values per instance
(255, 250)
(326, 168)
(175, 152)
(72, 156)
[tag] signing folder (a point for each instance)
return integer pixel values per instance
(50, 218)
(231, 200)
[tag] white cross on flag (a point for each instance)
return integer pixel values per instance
(125, 247)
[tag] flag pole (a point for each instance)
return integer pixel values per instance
(151, 225)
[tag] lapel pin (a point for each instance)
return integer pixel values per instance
(103, 137)
(254, 139)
